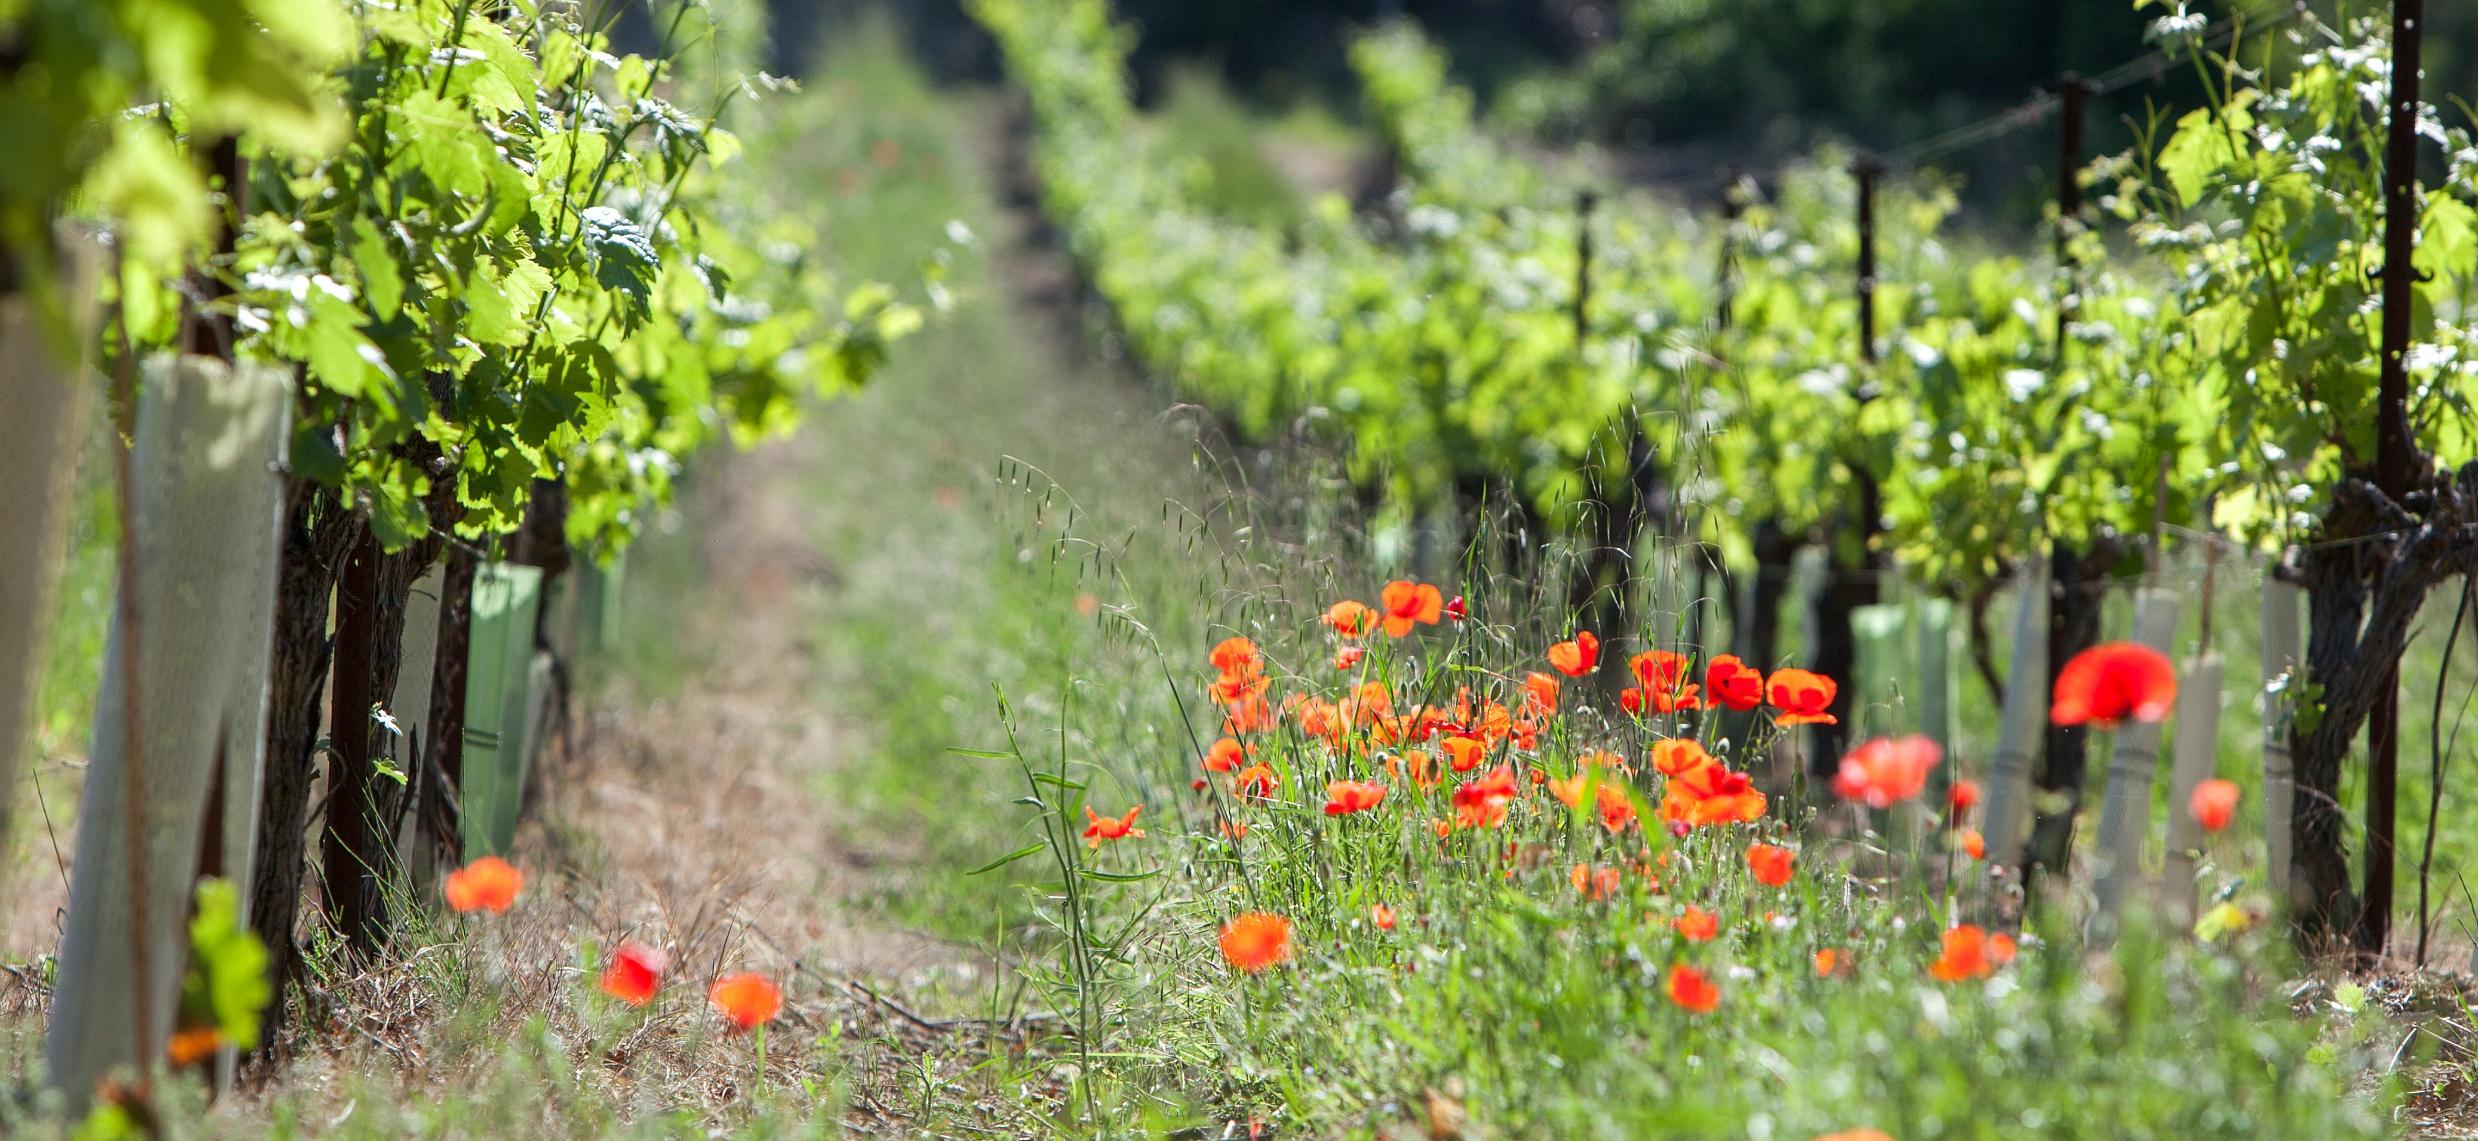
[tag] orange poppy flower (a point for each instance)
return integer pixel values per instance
(1481, 803)
(2213, 803)
(2107, 684)
(192, 1046)
(1344, 797)
(1235, 829)
(1348, 658)
(1350, 618)
(1711, 794)
(1464, 754)
(1236, 656)
(1974, 845)
(1321, 719)
(634, 974)
(1408, 604)
(1965, 955)
(1827, 963)
(1578, 657)
(1770, 864)
(488, 884)
(1111, 827)
(1226, 756)
(1415, 766)
(1231, 688)
(1568, 789)
(1595, 883)
(1257, 781)
(1692, 991)
(1250, 715)
(1382, 916)
(1540, 692)
(2001, 948)
(1856, 1135)
(1730, 682)
(1804, 697)
(1256, 941)
(1697, 925)
(1441, 828)
(1674, 755)
(1887, 770)
(1963, 796)
(746, 1000)
(1617, 810)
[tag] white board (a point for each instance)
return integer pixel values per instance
(42, 407)
(206, 522)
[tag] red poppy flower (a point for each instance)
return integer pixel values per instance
(1104, 828)
(1887, 770)
(1256, 941)
(1344, 797)
(1351, 618)
(1382, 916)
(1963, 796)
(1225, 756)
(1578, 657)
(1729, 682)
(1965, 955)
(1257, 781)
(1455, 610)
(1481, 803)
(488, 884)
(1348, 658)
(1658, 669)
(1804, 697)
(746, 1000)
(1408, 604)
(1540, 692)
(1770, 864)
(1692, 991)
(2213, 803)
(2107, 684)
(1697, 925)
(1464, 754)
(635, 972)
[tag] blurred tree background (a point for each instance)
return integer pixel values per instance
(1675, 89)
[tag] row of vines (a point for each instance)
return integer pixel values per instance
(2256, 330)
(377, 297)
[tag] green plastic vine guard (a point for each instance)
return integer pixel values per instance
(1904, 669)
(507, 601)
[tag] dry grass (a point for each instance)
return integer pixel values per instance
(705, 822)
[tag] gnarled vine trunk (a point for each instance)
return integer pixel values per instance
(317, 530)
(2366, 575)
